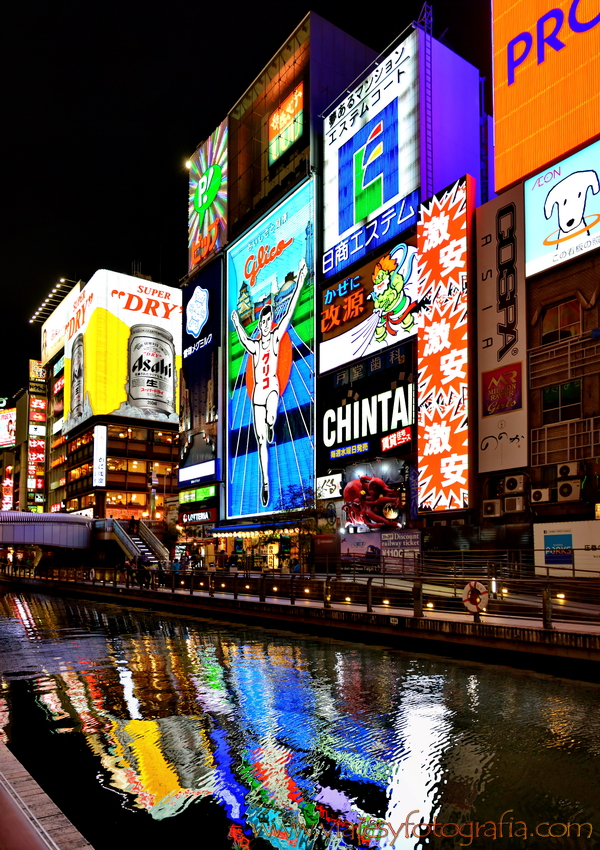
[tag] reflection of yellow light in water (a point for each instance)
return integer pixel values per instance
(156, 774)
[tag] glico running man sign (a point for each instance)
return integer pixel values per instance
(270, 361)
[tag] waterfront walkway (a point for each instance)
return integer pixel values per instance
(29, 820)
(559, 634)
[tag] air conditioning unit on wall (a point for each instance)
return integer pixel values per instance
(514, 504)
(567, 470)
(492, 507)
(540, 494)
(569, 491)
(514, 484)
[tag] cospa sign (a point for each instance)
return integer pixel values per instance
(546, 62)
(502, 333)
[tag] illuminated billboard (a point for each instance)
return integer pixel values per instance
(546, 57)
(122, 350)
(374, 308)
(8, 420)
(562, 211)
(371, 160)
(270, 360)
(502, 333)
(367, 410)
(53, 329)
(443, 240)
(202, 312)
(286, 124)
(207, 198)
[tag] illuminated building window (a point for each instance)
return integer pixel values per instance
(79, 472)
(561, 322)
(561, 402)
(123, 499)
(73, 505)
(88, 501)
(122, 432)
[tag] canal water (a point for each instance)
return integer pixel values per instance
(152, 731)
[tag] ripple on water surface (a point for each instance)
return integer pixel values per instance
(148, 728)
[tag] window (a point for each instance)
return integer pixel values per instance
(88, 501)
(118, 432)
(561, 402)
(164, 437)
(561, 322)
(79, 472)
(124, 499)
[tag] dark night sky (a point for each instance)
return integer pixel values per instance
(102, 105)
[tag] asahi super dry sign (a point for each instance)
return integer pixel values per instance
(123, 350)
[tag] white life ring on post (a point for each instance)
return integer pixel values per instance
(475, 597)
(92, 574)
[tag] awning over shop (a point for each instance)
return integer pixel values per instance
(245, 530)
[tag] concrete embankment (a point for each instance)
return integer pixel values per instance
(571, 650)
(29, 820)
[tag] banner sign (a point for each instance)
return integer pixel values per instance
(562, 211)
(270, 361)
(371, 160)
(374, 308)
(123, 350)
(443, 241)
(502, 333)
(207, 198)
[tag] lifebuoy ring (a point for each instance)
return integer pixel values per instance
(475, 597)
(92, 574)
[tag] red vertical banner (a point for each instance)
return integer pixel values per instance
(443, 239)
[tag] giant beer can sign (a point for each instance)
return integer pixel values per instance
(151, 369)
(123, 350)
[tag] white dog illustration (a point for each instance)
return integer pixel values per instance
(569, 196)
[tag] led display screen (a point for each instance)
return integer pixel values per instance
(202, 300)
(371, 160)
(546, 64)
(366, 410)
(123, 350)
(8, 421)
(286, 124)
(207, 198)
(270, 360)
(562, 211)
(374, 308)
(443, 235)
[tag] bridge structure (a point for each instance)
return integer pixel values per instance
(21, 528)
(70, 531)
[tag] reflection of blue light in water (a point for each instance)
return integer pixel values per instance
(226, 787)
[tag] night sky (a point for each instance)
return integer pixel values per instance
(102, 105)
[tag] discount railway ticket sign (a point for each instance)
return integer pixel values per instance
(443, 236)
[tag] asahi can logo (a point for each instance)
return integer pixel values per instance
(77, 378)
(151, 369)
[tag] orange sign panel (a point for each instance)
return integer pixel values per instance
(443, 236)
(546, 100)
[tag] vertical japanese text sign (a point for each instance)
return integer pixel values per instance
(443, 239)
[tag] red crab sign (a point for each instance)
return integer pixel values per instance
(370, 501)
